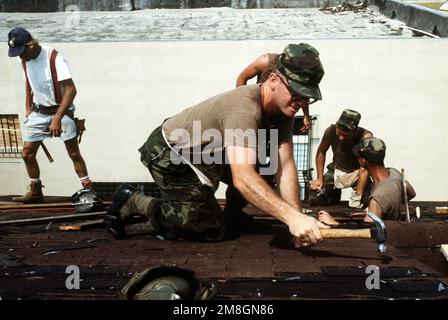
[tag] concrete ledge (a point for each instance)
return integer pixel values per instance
(273, 4)
(416, 16)
(125, 5)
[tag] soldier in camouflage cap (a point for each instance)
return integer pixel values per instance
(386, 198)
(349, 120)
(371, 149)
(188, 168)
(303, 57)
(344, 171)
(301, 66)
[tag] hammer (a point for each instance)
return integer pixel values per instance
(408, 218)
(47, 153)
(379, 232)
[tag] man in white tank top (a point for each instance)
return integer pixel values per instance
(49, 107)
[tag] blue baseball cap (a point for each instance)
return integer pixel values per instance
(17, 39)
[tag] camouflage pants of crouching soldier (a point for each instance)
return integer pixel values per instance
(189, 209)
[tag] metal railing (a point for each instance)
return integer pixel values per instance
(302, 155)
(10, 136)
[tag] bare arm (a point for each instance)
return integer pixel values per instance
(375, 209)
(67, 100)
(368, 134)
(286, 176)
(252, 70)
(320, 163)
(410, 191)
(255, 190)
(306, 119)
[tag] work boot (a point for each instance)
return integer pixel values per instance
(113, 221)
(34, 194)
(355, 200)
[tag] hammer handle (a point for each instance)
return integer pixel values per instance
(345, 233)
(405, 192)
(47, 153)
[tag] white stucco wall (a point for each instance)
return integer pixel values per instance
(126, 89)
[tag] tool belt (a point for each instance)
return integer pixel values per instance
(79, 123)
(44, 109)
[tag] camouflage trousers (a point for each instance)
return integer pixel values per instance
(189, 209)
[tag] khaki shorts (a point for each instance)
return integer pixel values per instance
(37, 123)
(344, 180)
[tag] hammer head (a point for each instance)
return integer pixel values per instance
(380, 234)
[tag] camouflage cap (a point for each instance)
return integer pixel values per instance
(371, 149)
(301, 66)
(349, 119)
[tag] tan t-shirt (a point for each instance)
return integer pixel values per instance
(235, 116)
(343, 157)
(389, 195)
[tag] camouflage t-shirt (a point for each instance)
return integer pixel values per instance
(343, 157)
(389, 195)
